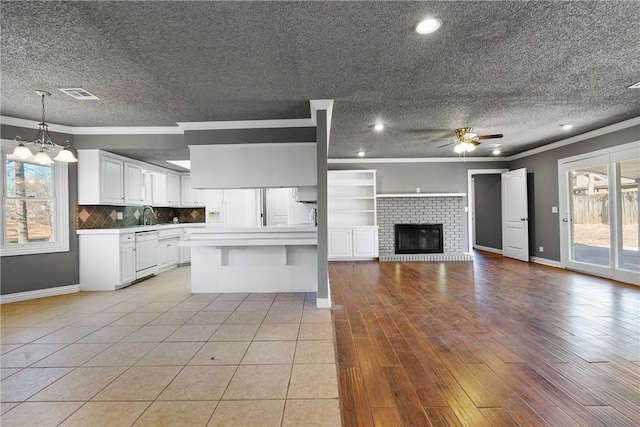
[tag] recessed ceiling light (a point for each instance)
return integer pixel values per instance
(496, 152)
(378, 127)
(428, 26)
(567, 126)
(361, 153)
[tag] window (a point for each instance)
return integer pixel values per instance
(35, 206)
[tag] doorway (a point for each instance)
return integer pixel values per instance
(482, 212)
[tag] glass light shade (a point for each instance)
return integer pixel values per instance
(22, 152)
(428, 26)
(42, 158)
(65, 156)
(464, 147)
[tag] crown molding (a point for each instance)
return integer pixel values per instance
(418, 160)
(32, 124)
(577, 138)
(247, 124)
(128, 130)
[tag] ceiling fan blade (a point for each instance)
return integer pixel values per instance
(474, 142)
(497, 135)
(445, 145)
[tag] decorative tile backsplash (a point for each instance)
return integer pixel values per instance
(107, 216)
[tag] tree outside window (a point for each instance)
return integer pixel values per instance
(29, 202)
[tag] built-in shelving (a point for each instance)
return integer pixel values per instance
(352, 219)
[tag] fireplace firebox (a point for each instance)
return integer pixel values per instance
(418, 238)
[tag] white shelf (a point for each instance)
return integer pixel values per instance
(422, 195)
(349, 183)
(351, 210)
(354, 198)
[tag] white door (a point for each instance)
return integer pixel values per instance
(599, 213)
(515, 217)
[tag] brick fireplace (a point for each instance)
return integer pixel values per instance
(447, 210)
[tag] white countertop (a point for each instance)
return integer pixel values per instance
(297, 228)
(125, 230)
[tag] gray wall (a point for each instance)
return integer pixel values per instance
(430, 177)
(542, 172)
(33, 272)
(323, 229)
(488, 210)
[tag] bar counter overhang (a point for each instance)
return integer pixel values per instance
(260, 259)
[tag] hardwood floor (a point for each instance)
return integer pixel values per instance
(495, 342)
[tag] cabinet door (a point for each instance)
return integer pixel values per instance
(185, 251)
(163, 254)
(173, 189)
(133, 184)
(340, 243)
(365, 242)
(190, 196)
(159, 189)
(127, 262)
(278, 205)
(173, 252)
(111, 181)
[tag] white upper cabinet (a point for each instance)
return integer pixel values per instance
(191, 196)
(173, 189)
(100, 178)
(133, 186)
(110, 179)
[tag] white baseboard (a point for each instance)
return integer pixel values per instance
(488, 249)
(40, 293)
(548, 262)
(323, 303)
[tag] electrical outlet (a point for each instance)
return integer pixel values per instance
(541, 249)
(119, 215)
(554, 209)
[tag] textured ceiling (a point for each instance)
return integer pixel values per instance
(520, 68)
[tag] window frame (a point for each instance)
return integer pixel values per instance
(60, 197)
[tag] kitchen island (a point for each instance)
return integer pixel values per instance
(254, 259)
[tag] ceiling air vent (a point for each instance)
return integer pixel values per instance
(78, 93)
(635, 86)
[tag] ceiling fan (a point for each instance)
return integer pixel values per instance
(467, 141)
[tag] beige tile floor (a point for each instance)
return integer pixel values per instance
(154, 354)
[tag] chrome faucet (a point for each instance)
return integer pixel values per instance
(146, 219)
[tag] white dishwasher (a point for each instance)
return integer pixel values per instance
(146, 253)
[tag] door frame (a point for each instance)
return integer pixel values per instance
(471, 238)
(614, 154)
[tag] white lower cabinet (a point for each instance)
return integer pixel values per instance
(127, 258)
(340, 243)
(168, 249)
(107, 260)
(353, 243)
(185, 251)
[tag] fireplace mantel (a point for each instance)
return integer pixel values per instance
(423, 195)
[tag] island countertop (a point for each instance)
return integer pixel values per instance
(253, 236)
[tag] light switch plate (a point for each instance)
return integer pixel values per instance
(120, 215)
(554, 209)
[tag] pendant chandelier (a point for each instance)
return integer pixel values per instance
(43, 143)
